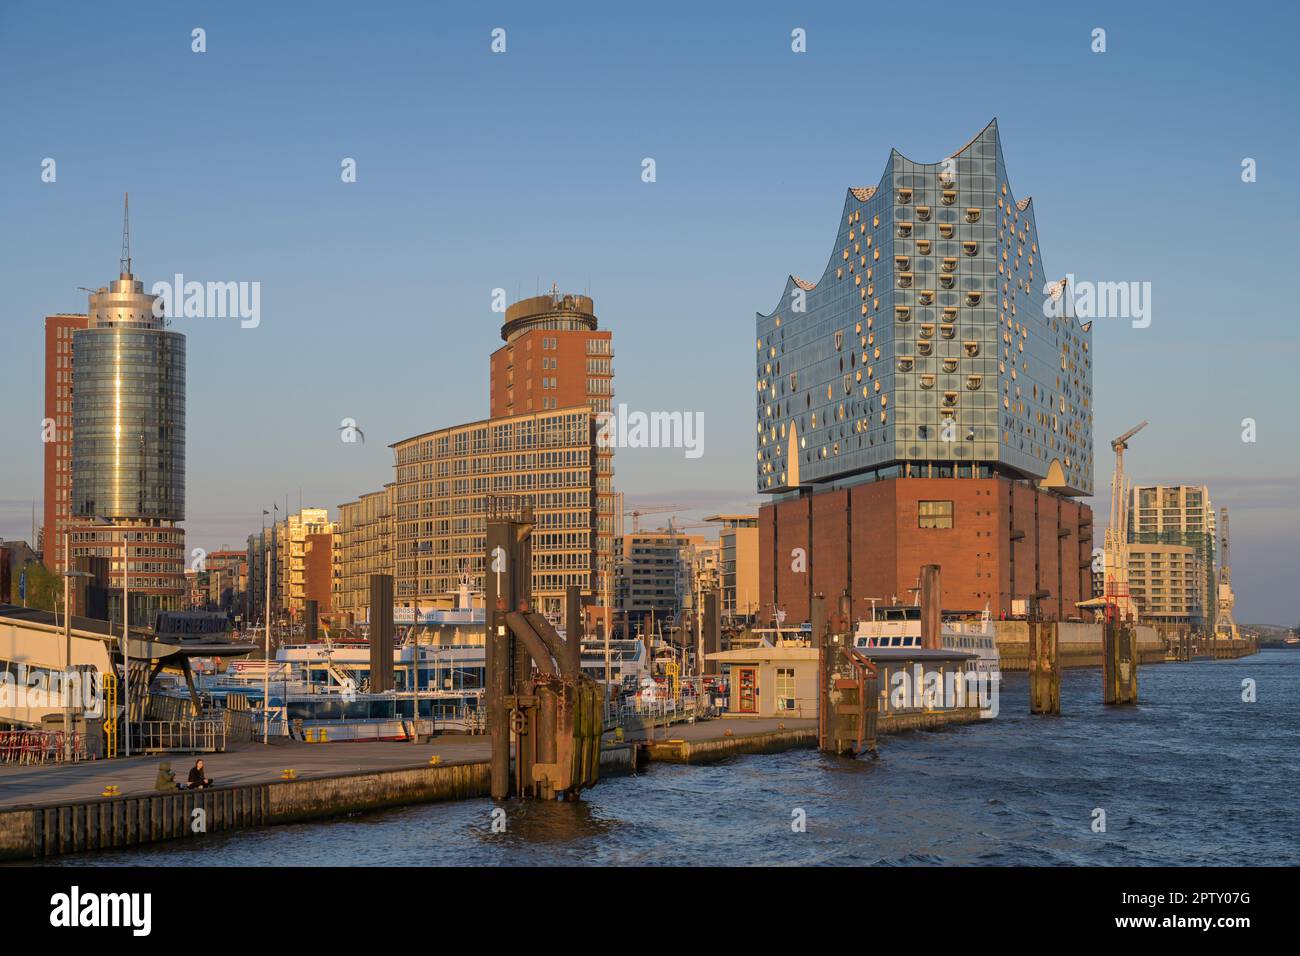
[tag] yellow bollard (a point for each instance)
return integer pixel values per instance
(324, 737)
(435, 760)
(618, 734)
(288, 774)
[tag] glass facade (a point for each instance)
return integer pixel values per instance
(448, 479)
(932, 343)
(128, 424)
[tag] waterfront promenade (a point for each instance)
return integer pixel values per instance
(243, 764)
(55, 809)
(253, 763)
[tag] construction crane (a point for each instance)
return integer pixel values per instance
(1120, 604)
(636, 513)
(1225, 624)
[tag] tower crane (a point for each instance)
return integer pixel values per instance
(1119, 602)
(636, 513)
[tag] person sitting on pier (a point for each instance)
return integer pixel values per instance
(197, 780)
(166, 779)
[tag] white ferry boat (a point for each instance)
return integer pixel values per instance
(627, 662)
(899, 626)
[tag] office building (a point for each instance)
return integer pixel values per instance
(128, 445)
(656, 575)
(56, 433)
(303, 562)
(555, 356)
(448, 480)
(738, 566)
(366, 541)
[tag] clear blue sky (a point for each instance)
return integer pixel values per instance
(478, 171)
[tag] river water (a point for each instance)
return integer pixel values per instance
(1193, 775)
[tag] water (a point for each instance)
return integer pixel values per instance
(1192, 776)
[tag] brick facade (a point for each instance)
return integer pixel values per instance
(1008, 541)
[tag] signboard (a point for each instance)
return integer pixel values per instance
(190, 625)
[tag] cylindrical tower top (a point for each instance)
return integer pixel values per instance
(555, 310)
(123, 303)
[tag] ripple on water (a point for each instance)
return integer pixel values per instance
(1192, 776)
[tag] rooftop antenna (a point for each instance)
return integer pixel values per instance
(126, 234)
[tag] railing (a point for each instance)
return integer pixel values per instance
(637, 710)
(40, 746)
(180, 736)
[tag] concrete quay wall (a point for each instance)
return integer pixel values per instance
(107, 823)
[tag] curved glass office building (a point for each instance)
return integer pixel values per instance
(129, 423)
(128, 446)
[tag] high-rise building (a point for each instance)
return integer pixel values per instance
(259, 566)
(555, 356)
(57, 433)
(366, 541)
(1179, 515)
(1167, 584)
(447, 480)
(128, 445)
(927, 400)
(738, 565)
(303, 561)
(224, 575)
(656, 574)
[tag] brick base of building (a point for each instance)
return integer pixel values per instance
(1008, 541)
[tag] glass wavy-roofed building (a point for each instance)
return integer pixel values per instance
(926, 345)
(933, 347)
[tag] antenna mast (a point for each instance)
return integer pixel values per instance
(126, 234)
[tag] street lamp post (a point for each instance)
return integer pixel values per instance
(68, 575)
(126, 647)
(415, 679)
(266, 665)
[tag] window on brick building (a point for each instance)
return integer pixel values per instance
(934, 514)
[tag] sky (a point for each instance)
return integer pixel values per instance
(478, 170)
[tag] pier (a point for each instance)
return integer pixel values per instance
(56, 809)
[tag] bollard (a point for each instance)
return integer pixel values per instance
(1044, 669)
(1119, 665)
